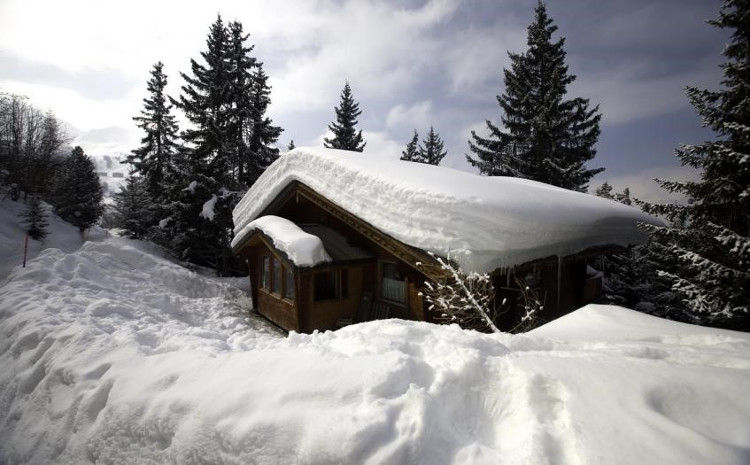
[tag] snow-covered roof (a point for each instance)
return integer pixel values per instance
(302, 248)
(482, 222)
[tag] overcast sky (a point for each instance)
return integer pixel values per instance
(411, 64)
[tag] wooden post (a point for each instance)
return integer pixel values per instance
(25, 249)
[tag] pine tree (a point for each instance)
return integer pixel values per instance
(411, 153)
(546, 137)
(345, 135)
(239, 100)
(79, 195)
(705, 252)
(432, 152)
(263, 134)
(134, 210)
(35, 218)
(154, 157)
(605, 191)
(207, 159)
(624, 197)
(231, 142)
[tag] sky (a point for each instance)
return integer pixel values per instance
(411, 65)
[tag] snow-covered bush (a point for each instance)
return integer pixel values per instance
(469, 300)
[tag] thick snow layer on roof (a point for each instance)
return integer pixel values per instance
(482, 222)
(302, 248)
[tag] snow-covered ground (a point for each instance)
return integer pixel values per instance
(111, 354)
(62, 236)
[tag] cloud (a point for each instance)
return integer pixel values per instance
(416, 116)
(626, 94)
(82, 112)
(642, 185)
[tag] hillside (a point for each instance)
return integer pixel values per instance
(112, 354)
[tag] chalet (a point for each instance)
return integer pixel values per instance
(331, 236)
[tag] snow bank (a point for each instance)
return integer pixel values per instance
(302, 248)
(112, 355)
(483, 222)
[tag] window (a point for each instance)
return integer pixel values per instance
(266, 275)
(276, 282)
(325, 285)
(394, 285)
(288, 284)
(344, 287)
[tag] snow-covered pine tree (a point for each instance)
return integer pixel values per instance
(207, 157)
(134, 209)
(154, 157)
(411, 152)
(432, 152)
(345, 135)
(712, 251)
(34, 218)
(228, 146)
(79, 194)
(605, 191)
(545, 137)
(624, 197)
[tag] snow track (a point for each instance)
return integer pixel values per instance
(113, 355)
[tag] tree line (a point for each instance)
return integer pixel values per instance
(36, 162)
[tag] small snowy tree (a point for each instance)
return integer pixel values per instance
(432, 152)
(134, 209)
(345, 134)
(605, 191)
(79, 195)
(34, 218)
(411, 152)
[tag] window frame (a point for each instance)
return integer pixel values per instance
(340, 282)
(288, 272)
(265, 273)
(381, 277)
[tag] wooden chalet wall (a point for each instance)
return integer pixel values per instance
(282, 312)
(303, 206)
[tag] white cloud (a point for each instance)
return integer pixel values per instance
(70, 106)
(417, 116)
(477, 57)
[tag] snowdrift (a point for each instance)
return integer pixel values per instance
(482, 222)
(112, 355)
